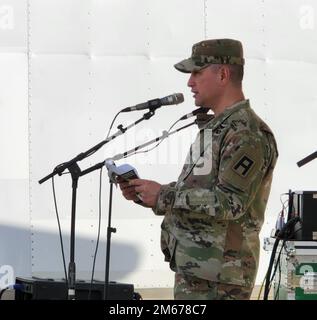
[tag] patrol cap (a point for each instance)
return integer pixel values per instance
(216, 51)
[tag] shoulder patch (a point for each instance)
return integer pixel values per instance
(243, 166)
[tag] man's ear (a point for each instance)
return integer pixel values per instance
(224, 73)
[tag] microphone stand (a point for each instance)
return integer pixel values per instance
(112, 180)
(76, 172)
(307, 159)
(109, 231)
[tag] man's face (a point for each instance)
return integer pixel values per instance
(205, 86)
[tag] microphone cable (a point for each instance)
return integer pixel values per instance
(98, 237)
(284, 234)
(111, 125)
(60, 231)
(278, 262)
(99, 216)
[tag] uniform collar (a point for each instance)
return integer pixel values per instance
(215, 122)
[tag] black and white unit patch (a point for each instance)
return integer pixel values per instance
(243, 166)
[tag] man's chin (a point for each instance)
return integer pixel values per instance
(199, 104)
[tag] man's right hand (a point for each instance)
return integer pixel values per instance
(128, 191)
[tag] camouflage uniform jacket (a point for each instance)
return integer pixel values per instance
(214, 212)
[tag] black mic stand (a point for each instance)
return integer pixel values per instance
(109, 231)
(109, 228)
(76, 172)
(307, 159)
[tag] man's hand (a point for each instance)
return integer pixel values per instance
(127, 191)
(147, 191)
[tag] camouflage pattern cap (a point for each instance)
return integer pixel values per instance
(216, 51)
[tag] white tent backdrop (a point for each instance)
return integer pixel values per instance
(68, 66)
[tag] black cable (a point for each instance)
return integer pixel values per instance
(268, 274)
(277, 260)
(60, 231)
(284, 234)
(290, 205)
(279, 281)
(115, 117)
(92, 152)
(99, 225)
(277, 263)
(98, 237)
(292, 235)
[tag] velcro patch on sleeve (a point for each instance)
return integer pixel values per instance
(243, 166)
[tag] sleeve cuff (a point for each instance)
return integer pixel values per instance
(165, 200)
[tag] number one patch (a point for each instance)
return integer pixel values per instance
(243, 166)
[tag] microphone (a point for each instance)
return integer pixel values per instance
(195, 112)
(175, 98)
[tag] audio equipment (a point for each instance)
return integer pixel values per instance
(51, 289)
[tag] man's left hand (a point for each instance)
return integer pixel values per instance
(148, 191)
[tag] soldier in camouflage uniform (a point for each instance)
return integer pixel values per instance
(214, 212)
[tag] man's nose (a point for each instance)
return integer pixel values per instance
(190, 82)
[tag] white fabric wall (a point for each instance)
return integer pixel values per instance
(15, 246)
(69, 66)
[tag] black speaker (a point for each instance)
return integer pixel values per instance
(305, 207)
(50, 289)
